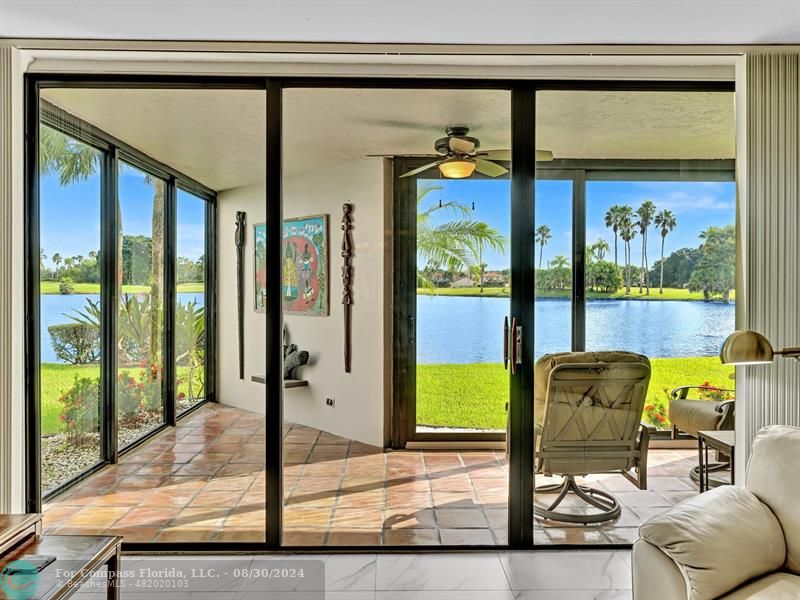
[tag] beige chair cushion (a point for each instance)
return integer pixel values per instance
(773, 474)
(692, 416)
(778, 586)
(549, 362)
(719, 540)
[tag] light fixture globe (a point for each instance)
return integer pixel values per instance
(746, 348)
(457, 168)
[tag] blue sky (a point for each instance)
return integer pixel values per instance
(697, 205)
(70, 215)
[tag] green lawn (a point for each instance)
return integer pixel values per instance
(51, 287)
(474, 395)
(669, 293)
(57, 379)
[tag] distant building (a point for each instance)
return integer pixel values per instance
(463, 282)
(494, 278)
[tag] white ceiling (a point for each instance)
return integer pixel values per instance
(411, 21)
(216, 136)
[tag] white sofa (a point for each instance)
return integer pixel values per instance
(731, 542)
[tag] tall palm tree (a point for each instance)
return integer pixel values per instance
(454, 245)
(599, 249)
(558, 265)
(645, 212)
(613, 218)
(56, 258)
(627, 231)
(666, 221)
(543, 235)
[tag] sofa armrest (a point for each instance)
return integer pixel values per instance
(655, 575)
(704, 536)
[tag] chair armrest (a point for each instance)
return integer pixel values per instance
(699, 533)
(655, 575)
(682, 392)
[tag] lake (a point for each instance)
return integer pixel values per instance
(458, 329)
(56, 309)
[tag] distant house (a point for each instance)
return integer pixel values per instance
(494, 278)
(463, 282)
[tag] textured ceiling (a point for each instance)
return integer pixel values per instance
(216, 136)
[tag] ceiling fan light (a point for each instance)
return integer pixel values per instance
(457, 168)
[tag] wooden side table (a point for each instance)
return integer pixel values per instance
(722, 441)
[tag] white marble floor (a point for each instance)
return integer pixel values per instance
(543, 575)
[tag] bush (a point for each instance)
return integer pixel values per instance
(80, 416)
(137, 397)
(75, 343)
(66, 285)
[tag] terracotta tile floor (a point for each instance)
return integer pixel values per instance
(205, 481)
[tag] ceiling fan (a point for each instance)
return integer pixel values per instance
(458, 156)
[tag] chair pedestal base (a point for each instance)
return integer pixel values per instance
(694, 474)
(605, 502)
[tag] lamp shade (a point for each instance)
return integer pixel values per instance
(457, 168)
(746, 348)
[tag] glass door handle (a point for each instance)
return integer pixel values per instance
(515, 344)
(412, 330)
(505, 344)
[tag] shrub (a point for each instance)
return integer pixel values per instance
(655, 413)
(66, 285)
(75, 343)
(710, 392)
(80, 416)
(138, 396)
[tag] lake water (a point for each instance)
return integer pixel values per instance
(56, 309)
(452, 329)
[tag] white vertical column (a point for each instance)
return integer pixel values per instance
(770, 251)
(11, 285)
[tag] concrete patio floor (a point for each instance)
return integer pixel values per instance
(205, 481)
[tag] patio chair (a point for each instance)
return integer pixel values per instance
(690, 415)
(587, 412)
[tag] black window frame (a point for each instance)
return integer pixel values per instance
(523, 115)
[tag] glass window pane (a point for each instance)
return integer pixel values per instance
(190, 315)
(140, 321)
(69, 307)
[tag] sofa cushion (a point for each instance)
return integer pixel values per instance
(783, 586)
(773, 474)
(719, 540)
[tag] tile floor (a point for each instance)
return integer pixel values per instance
(539, 575)
(205, 481)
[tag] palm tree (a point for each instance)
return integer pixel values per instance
(613, 218)
(92, 254)
(627, 232)
(56, 258)
(645, 213)
(543, 235)
(666, 222)
(453, 245)
(599, 249)
(558, 265)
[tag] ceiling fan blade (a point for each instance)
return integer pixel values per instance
(461, 146)
(541, 155)
(487, 167)
(419, 170)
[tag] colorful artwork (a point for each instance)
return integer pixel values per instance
(305, 266)
(260, 266)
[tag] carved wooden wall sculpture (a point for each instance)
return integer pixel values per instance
(347, 281)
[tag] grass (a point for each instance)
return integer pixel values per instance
(474, 395)
(58, 378)
(51, 287)
(669, 293)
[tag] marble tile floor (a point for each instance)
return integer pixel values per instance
(540, 575)
(205, 481)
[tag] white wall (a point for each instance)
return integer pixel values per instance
(359, 395)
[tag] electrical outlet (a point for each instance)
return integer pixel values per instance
(330, 402)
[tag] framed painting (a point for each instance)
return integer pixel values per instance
(260, 266)
(305, 266)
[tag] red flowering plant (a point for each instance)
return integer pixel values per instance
(655, 413)
(80, 416)
(711, 392)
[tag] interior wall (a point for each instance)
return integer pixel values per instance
(770, 394)
(358, 396)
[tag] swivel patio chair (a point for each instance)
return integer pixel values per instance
(587, 412)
